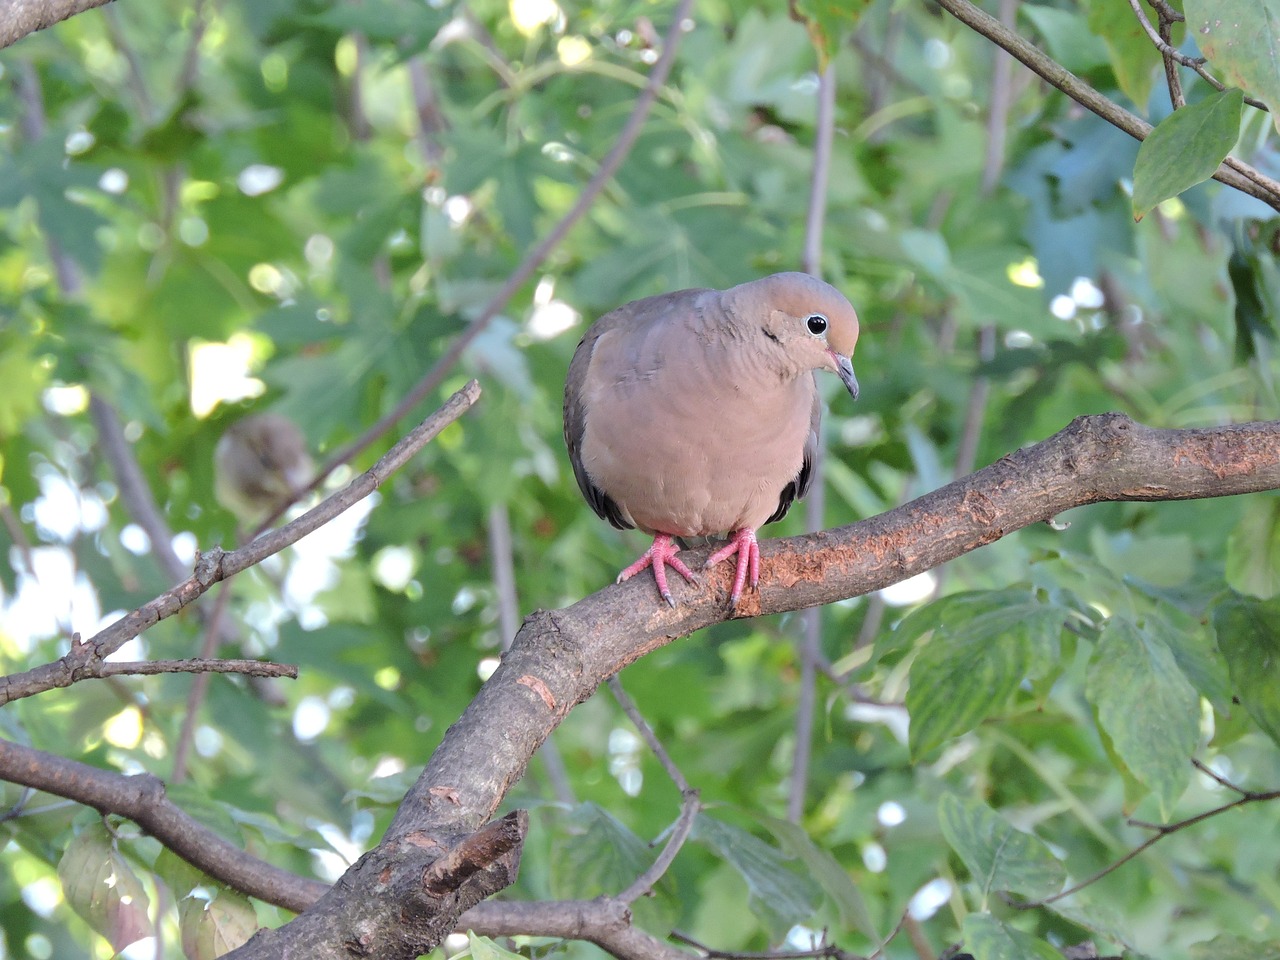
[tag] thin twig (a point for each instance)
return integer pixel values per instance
(689, 802)
(1234, 173)
(217, 565)
(608, 167)
(827, 950)
(202, 665)
(1161, 831)
(1171, 55)
(200, 686)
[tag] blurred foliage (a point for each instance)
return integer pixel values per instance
(207, 210)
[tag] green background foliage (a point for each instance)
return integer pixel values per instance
(335, 190)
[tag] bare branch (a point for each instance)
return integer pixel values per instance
(21, 17)
(1161, 831)
(1234, 173)
(147, 668)
(142, 799)
(690, 804)
(217, 565)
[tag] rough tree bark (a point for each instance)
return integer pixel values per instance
(442, 853)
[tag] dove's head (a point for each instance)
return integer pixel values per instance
(811, 322)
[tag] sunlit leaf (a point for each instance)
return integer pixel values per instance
(102, 887)
(990, 939)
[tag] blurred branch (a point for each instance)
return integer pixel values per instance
(18, 18)
(815, 508)
(1000, 101)
(689, 807)
(135, 493)
(1233, 172)
(1162, 830)
(608, 167)
(828, 950)
(216, 564)
(196, 695)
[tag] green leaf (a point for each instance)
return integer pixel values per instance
(988, 939)
(778, 895)
(602, 856)
(983, 646)
(829, 22)
(1146, 706)
(1133, 59)
(826, 870)
(102, 888)
(482, 948)
(1240, 38)
(999, 857)
(1249, 637)
(1253, 549)
(1185, 148)
(1228, 946)
(214, 925)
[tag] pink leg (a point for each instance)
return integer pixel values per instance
(660, 556)
(743, 543)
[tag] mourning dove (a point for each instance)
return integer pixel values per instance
(696, 413)
(258, 463)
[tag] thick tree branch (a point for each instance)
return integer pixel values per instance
(217, 565)
(560, 657)
(1233, 172)
(21, 17)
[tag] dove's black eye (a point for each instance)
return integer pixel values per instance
(817, 324)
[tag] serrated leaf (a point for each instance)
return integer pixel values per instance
(1240, 38)
(102, 888)
(983, 646)
(999, 857)
(1147, 707)
(213, 927)
(1185, 148)
(1253, 550)
(1228, 946)
(988, 939)
(826, 870)
(778, 895)
(1249, 637)
(603, 856)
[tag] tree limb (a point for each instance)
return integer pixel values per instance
(1232, 172)
(216, 564)
(560, 657)
(21, 17)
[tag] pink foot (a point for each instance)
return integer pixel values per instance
(743, 543)
(660, 556)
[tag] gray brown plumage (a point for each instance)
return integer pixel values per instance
(696, 413)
